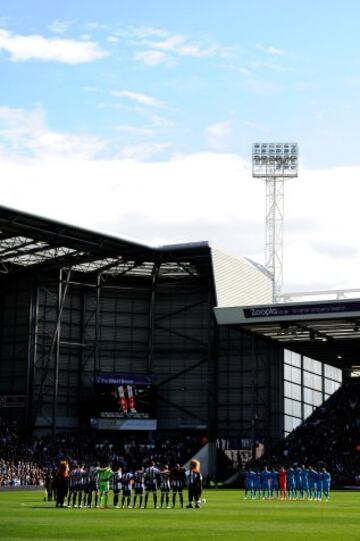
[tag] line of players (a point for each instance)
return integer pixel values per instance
(90, 487)
(292, 484)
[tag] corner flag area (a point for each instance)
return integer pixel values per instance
(24, 516)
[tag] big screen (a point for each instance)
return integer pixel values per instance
(124, 402)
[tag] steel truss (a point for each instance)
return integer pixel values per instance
(94, 303)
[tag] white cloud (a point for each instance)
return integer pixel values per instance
(143, 99)
(144, 32)
(275, 51)
(135, 130)
(162, 47)
(161, 122)
(112, 39)
(256, 126)
(196, 51)
(142, 151)
(35, 47)
(271, 50)
(321, 207)
(269, 66)
(217, 133)
(153, 58)
(169, 44)
(59, 27)
(25, 133)
(237, 69)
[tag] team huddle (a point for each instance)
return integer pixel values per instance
(292, 484)
(91, 487)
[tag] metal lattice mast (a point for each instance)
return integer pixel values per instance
(274, 231)
(274, 163)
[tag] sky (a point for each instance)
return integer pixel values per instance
(137, 117)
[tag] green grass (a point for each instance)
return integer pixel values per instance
(225, 516)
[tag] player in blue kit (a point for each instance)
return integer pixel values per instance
(291, 483)
(297, 477)
(249, 483)
(265, 483)
(318, 486)
(326, 482)
(274, 483)
(304, 482)
(253, 483)
(257, 484)
(312, 477)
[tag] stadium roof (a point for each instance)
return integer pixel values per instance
(326, 330)
(30, 243)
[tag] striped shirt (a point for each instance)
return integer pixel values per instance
(126, 481)
(139, 480)
(76, 478)
(116, 480)
(151, 475)
(165, 480)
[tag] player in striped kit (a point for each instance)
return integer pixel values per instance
(178, 482)
(139, 487)
(126, 483)
(165, 486)
(93, 485)
(76, 486)
(151, 481)
(71, 493)
(86, 486)
(116, 480)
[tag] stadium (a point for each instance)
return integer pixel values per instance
(190, 329)
(112, 351)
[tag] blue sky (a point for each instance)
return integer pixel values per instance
(221, 74)
(163, 99)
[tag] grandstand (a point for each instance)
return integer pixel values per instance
(81, 310)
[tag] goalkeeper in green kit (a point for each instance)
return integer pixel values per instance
(105, 473)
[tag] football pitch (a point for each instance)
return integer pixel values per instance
(226, 516)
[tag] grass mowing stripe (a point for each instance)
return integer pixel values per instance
(24, 517)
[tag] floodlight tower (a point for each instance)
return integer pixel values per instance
(275, 163)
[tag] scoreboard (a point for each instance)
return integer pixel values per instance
(124, 402)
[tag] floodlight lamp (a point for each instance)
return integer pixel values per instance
(271, 160)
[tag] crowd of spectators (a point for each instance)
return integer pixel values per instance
(19, 473)
(329, 437)
(26, 460)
